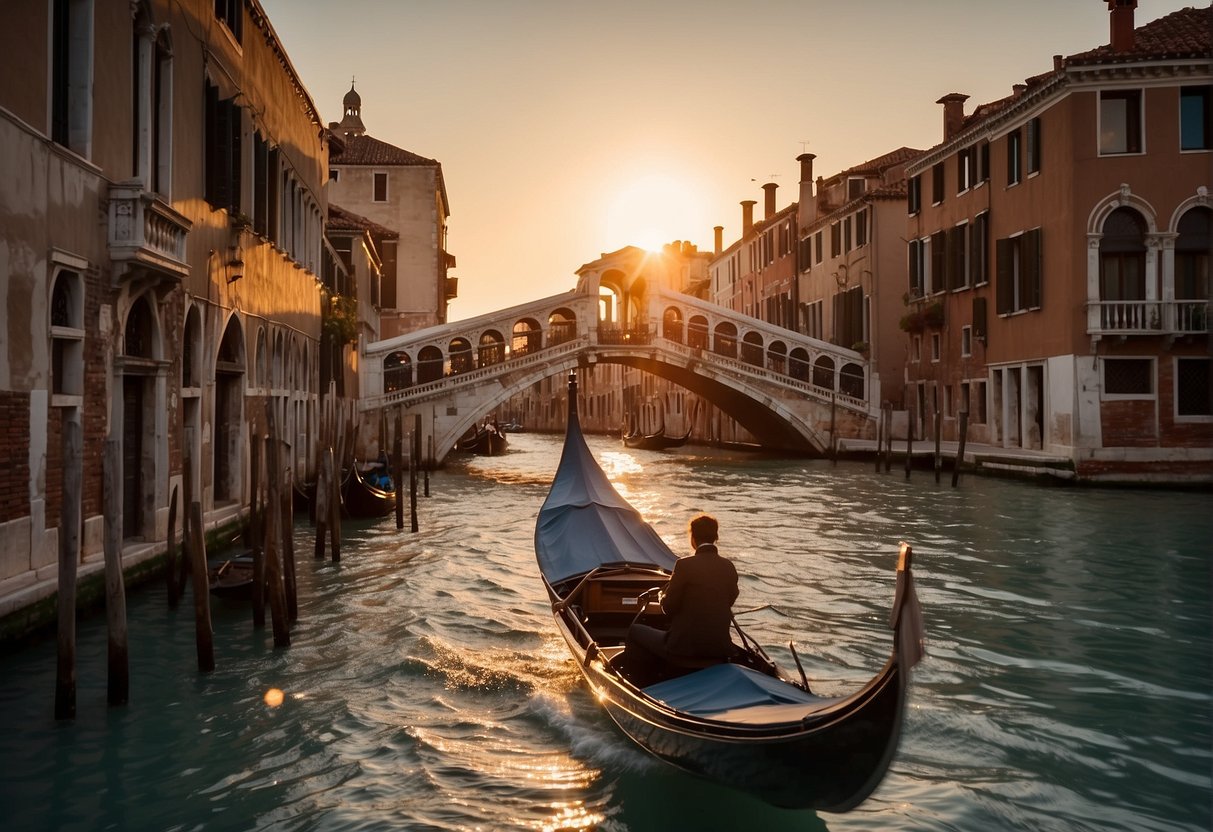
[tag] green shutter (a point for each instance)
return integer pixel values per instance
(1032, 268)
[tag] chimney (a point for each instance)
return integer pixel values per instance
(807, 206)
(769, 202)
(747, 216)
(1122, 24)
(718, 232)
(953, 114)
(1059, 63)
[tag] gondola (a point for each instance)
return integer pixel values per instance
(486, 440)
(658, 441)
(233, 579)
(743, 722)
(361, 499)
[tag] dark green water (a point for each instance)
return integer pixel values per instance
(1068, 683)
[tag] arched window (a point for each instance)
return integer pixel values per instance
(1122, 256)
(262, 359)
(823, 372)
(67, 335)
(799, 365)
(725, 340)
(526, 337)
(697, 332)
(460, 351)
(752, 349)
(191, 375)
(562, 327)
(429, 364)
(850, 380)
(491, 349)
(1192, 255)
(397, 372)
(138, 334)
(671, 324)
(777, 357)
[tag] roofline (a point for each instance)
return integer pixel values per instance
(262, 19)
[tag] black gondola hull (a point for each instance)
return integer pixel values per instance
(360, 499)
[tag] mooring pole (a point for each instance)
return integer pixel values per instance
(257, 531)
(118, 686)
(170, 552)
(414, 453)
(960, 447)
(879, 438)
(204, 636)
(334, 506)
(288, 542)
(429, 461)
(888, 439)
(938, 437)
(273, 541)
(909, 441)
(833, 427)
(320, 502)
(69, 548)
(398, 469)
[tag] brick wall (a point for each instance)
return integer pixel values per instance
(14, 450)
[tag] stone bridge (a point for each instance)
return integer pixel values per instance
(785, 388)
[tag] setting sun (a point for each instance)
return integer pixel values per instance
(654, 209)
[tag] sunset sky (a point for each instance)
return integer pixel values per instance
(567, 129)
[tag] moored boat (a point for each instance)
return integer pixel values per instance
(743, 721)
(488, 439)
(361, 498)
(232, 579)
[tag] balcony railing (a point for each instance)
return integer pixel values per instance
(1148, 317)
(145, 231)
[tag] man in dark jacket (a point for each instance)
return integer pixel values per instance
(699, 602)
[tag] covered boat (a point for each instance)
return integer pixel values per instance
(360, 497)
(742, 722)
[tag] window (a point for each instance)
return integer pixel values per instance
(963, 401)
(817, 247)
(151, 117)
(1119, 122)
(966, 169)
(1014, 171)
(935, 347)
(939, 261)
(957, 267)
(856, 186)
(916, 262)
(1195, 121)
(1192, 255)
(979, 249)
(966, 341)
(229, 12)
(983, 162)
(861, 227)
(1130, 378)
(1192, 393)
(334, 175)
(846, 234)
(979, 399)
(1019, 272)
(1122, 256)
(71, 91)
(222, 151)
(914, 195)
(937, 183)
(835, 239)
(1034, 146)
(916, 348)
(380, 194)
(67, 335)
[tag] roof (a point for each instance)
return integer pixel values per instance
(342, 220)
(881, 163)
(367, 150)
(1187, 33)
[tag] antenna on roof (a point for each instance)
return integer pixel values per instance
(804, 145)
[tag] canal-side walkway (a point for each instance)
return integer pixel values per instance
(978, 458)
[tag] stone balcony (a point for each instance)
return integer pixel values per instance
(145, 233)
(1148, 317)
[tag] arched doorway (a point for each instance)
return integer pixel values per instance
(697, 332)
(139, 349)
(229, 414)
(562, 327)
(429, 364)
(526, 337)
(671, 324)
(491, 349)
(752, 349)
(460, 352)
(823, 372)
(397, 372)
(725, 341)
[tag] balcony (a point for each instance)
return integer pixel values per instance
(145, 232)
(452, 288)
(1148, 317)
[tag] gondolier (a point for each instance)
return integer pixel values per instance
(699, 602)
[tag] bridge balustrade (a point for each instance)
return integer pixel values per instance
(623, 336)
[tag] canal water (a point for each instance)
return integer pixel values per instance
(1068, 683)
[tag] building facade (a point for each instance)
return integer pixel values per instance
(852, 263)
(405, 192)
(161, 223)
(1059, 258)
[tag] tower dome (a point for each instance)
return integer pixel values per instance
(351, 120)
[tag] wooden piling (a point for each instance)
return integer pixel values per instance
(334, 506)
(170, 552)
(257, 527)
(69, 557)
(203, 634)
(273, 541)
(118, 678)
(288, 545)
(909, 442)
(888, 439)
(960, 447)
(833, 427)
(187, 500)
(880, 429)
(429, 461)
(320, 503)
(414, 454)
(398, 470)
(938, 437)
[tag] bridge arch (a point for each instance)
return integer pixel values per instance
(526, 337)
(397, 371)
(752, 348)
(562, 326)
(459, 356)
(429, 364)
(491, 349)
(724, 339)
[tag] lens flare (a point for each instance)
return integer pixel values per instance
(273, 697)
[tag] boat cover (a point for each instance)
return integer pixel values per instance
(585, 523)
(736, 694)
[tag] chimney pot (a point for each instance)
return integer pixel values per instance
(718, 235)
(953, 113)
(1121, 24)
(806, 166)
(769, 202)
(747, 216)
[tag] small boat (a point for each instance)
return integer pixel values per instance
(360, 497)
(742, 722)
(658, 441)
(488, 439)
(233, 579)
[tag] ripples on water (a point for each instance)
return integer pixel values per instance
(1067, 683)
